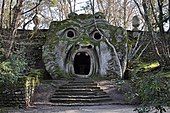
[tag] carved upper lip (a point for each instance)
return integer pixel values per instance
(81, 46)
(79, 53)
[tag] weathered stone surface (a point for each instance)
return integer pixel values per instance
(19, 94)
(85, 45)
(82, 94)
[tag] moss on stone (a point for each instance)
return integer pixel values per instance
(83, 26)
(19, 93)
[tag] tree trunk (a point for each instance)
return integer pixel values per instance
(14, 25)
(10, 13)
(169, 14)
(146, 17)
(2, 14)
(92, 6)
(161, 28)
(124, 16)
(69, 2)
(74, 5)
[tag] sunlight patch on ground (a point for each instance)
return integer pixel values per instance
(149, 66)
(70, 111)
(153, 65)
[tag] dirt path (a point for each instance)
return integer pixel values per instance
(79, 109)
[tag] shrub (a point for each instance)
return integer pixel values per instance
(13, 67)
(152, 90)
(38, 74)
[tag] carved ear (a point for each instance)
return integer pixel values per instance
(99, 15)
(72, 15)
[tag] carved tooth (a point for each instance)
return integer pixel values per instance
(78, 53)
(87, 54)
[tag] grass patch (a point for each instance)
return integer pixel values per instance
(148, 66)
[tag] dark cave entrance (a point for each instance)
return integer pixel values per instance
(82, 63)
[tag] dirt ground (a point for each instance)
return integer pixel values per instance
(79, 109)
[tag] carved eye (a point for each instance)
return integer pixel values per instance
(70, 33)
(96, 35)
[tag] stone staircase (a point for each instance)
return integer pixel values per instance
(80, 92)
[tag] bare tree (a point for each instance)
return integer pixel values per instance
(14, 24)
(12, 17)
(161, 44)
(169, 14)
(118, 12)
(2, 13)
(124, 13)
(92, 6)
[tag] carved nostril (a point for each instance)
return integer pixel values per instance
(89, 47)
(77, 46)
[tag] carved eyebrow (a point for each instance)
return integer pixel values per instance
(72, 28)
(94, 29)
(61, 32)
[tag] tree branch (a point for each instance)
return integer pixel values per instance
(154, 14)
(32, 8)
(10, 13)
(92, 6)
(139, 8)
(161, 28)
(25, 24)
(69, 2)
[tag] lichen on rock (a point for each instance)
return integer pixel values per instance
(85, 45)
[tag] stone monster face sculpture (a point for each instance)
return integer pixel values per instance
(85, 45)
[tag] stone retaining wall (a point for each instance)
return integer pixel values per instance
(17, 94)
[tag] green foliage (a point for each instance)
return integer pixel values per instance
(3, 110)
(11, 68)
(38, 74)
(54, 2)
(6, 72)
(152, 90)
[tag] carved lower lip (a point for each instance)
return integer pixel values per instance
(82, 63)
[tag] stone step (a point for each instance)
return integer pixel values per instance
(73, 100)
(86, 80)
(83, 104)
(80, 96)
(79, 87)
(76, 104)
(81, 84)
(86, 85)
(80, 93)
(79, 90)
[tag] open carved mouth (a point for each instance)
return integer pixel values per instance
(82, 63)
